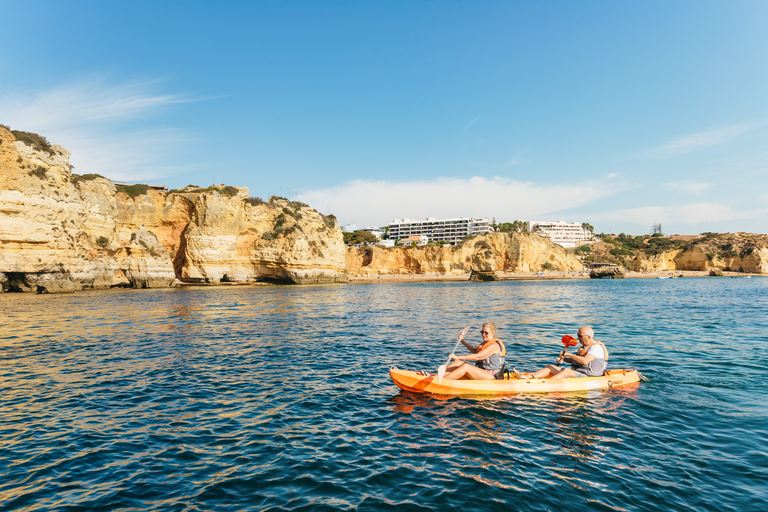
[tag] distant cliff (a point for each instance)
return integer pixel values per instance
(737, 252)
(63, 232)
(516, 252)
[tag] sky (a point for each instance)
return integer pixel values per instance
(620, 114)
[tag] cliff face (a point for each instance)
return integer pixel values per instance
(738, 252)
(63, 232)
(516, 252)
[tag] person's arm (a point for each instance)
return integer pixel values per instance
(469, 347)
(485, 353)
(575, 358)
(579, 359)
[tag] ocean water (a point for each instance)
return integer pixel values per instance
(278, 398)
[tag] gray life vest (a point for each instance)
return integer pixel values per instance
(594, 368)
(494, 362)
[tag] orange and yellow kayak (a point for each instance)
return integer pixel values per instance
(418, 383)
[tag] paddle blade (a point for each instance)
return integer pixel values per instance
(440, 373)
(569, 341)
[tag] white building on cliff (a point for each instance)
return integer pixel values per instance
(440, 230)
(562, 233)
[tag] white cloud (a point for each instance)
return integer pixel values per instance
(89, 118)
(366, 202)
(688, 187)
(698, 141)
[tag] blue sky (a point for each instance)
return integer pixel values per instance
(620, 114)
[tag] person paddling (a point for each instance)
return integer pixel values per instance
(589, 361)
(489, 356)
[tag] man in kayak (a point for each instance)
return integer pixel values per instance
(489, 356)
(589, 361)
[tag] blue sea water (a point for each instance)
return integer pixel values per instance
(278, 398)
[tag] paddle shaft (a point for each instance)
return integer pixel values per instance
(453, 351)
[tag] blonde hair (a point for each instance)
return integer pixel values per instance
(490, 325)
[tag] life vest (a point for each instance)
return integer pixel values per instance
(594, 368)
(494, 361)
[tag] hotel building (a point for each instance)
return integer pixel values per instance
(562, 233)
(440, 230)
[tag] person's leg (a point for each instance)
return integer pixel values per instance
(470, 371)
(545, 372)
(564, 373)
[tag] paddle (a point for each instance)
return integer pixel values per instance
(441, 368)
(568, 341)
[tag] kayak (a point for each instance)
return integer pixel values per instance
(418, 383)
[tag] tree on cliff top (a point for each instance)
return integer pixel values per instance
(359, 237)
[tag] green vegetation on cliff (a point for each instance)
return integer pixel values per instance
(33, 140)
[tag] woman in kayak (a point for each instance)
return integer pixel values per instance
(489, 356)
(589, 361)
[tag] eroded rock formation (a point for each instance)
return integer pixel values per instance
(61, 232)
(737, 252)
(482, 255)
(608, 272)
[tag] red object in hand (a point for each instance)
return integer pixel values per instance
(569, 341)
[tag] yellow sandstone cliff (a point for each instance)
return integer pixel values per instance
(737, 252)
(62, 232)
(514, 252)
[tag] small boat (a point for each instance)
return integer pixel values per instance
(418, 383)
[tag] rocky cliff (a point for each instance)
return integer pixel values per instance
(738, 252)
(516, 252)
(63, 232)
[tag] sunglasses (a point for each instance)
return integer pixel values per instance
(485, 332)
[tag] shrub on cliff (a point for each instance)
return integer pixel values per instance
(223, 190)
(330, 220)
(255, 201)
(583, 249)
(77, 178)
(33, 140)
(359, 237)
(39, 172)
(133, 191)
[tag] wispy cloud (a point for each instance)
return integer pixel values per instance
(515, 161)
(691, 214)
(688, 187)
(367, 202)
(92, 118)
(466, 128)
(698, 141)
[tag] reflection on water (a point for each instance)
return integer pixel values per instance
(278, 398)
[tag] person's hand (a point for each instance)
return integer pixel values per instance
(452, 356)
(463, 332)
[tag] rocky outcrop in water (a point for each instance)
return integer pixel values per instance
(61, 232)
(608, 272)
(481, 255)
